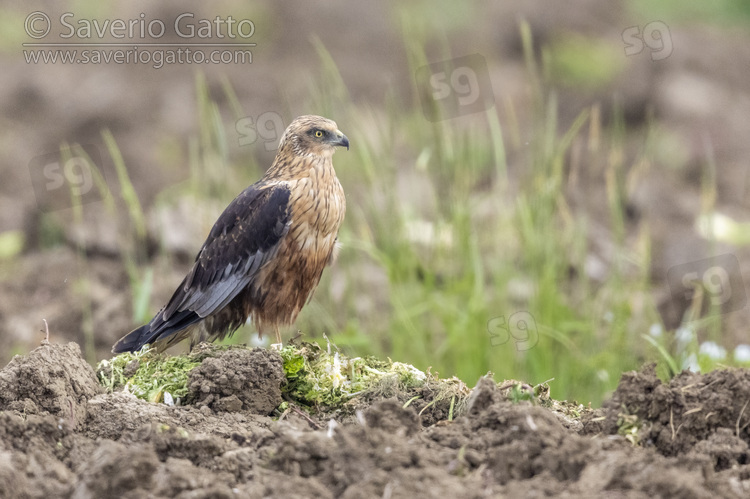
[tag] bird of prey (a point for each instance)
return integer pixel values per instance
(266, 252)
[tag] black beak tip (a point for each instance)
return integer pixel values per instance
(341, 140)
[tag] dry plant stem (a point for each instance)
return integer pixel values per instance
(45, 341)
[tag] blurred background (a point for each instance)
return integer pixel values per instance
(539, 192)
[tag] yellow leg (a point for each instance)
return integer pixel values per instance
(278, 334)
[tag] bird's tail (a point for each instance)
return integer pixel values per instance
(158, 330)
(134, 340)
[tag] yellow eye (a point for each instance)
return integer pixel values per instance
(318, 133)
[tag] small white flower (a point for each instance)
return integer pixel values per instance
(656, 330)
(691, 363)
(742, 353)
(720, 227)
(684, 336)
(713, 350)
(428, 233)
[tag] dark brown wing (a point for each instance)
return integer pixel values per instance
(245, 236)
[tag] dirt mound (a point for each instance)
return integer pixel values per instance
(50, 379)
(525, 451)
(121, 446)
(238, 380)
(701, 414)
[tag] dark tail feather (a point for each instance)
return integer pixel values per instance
(134, 340)
(156, 330)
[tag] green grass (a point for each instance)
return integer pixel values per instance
(719, 12)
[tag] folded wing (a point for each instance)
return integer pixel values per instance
(243, 239)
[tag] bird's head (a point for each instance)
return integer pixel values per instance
(312, 136)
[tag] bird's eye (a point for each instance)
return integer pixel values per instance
(318, 133)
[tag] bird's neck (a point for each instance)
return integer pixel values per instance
(292, 166)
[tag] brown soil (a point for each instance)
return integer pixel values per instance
(62, 436)
(701, 414)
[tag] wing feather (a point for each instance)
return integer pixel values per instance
(245, 237)
(240, 242)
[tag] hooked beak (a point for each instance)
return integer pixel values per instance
(341, 140)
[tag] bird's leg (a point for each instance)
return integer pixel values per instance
(278, 344)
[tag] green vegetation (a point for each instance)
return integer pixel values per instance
(720, 12)
(11, 243)
(147, 375)
(317, 379)
(629, 426)
(579, 61)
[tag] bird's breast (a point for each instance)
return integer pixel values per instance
(318, 206)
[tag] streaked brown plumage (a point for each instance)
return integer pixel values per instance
(266, 252)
